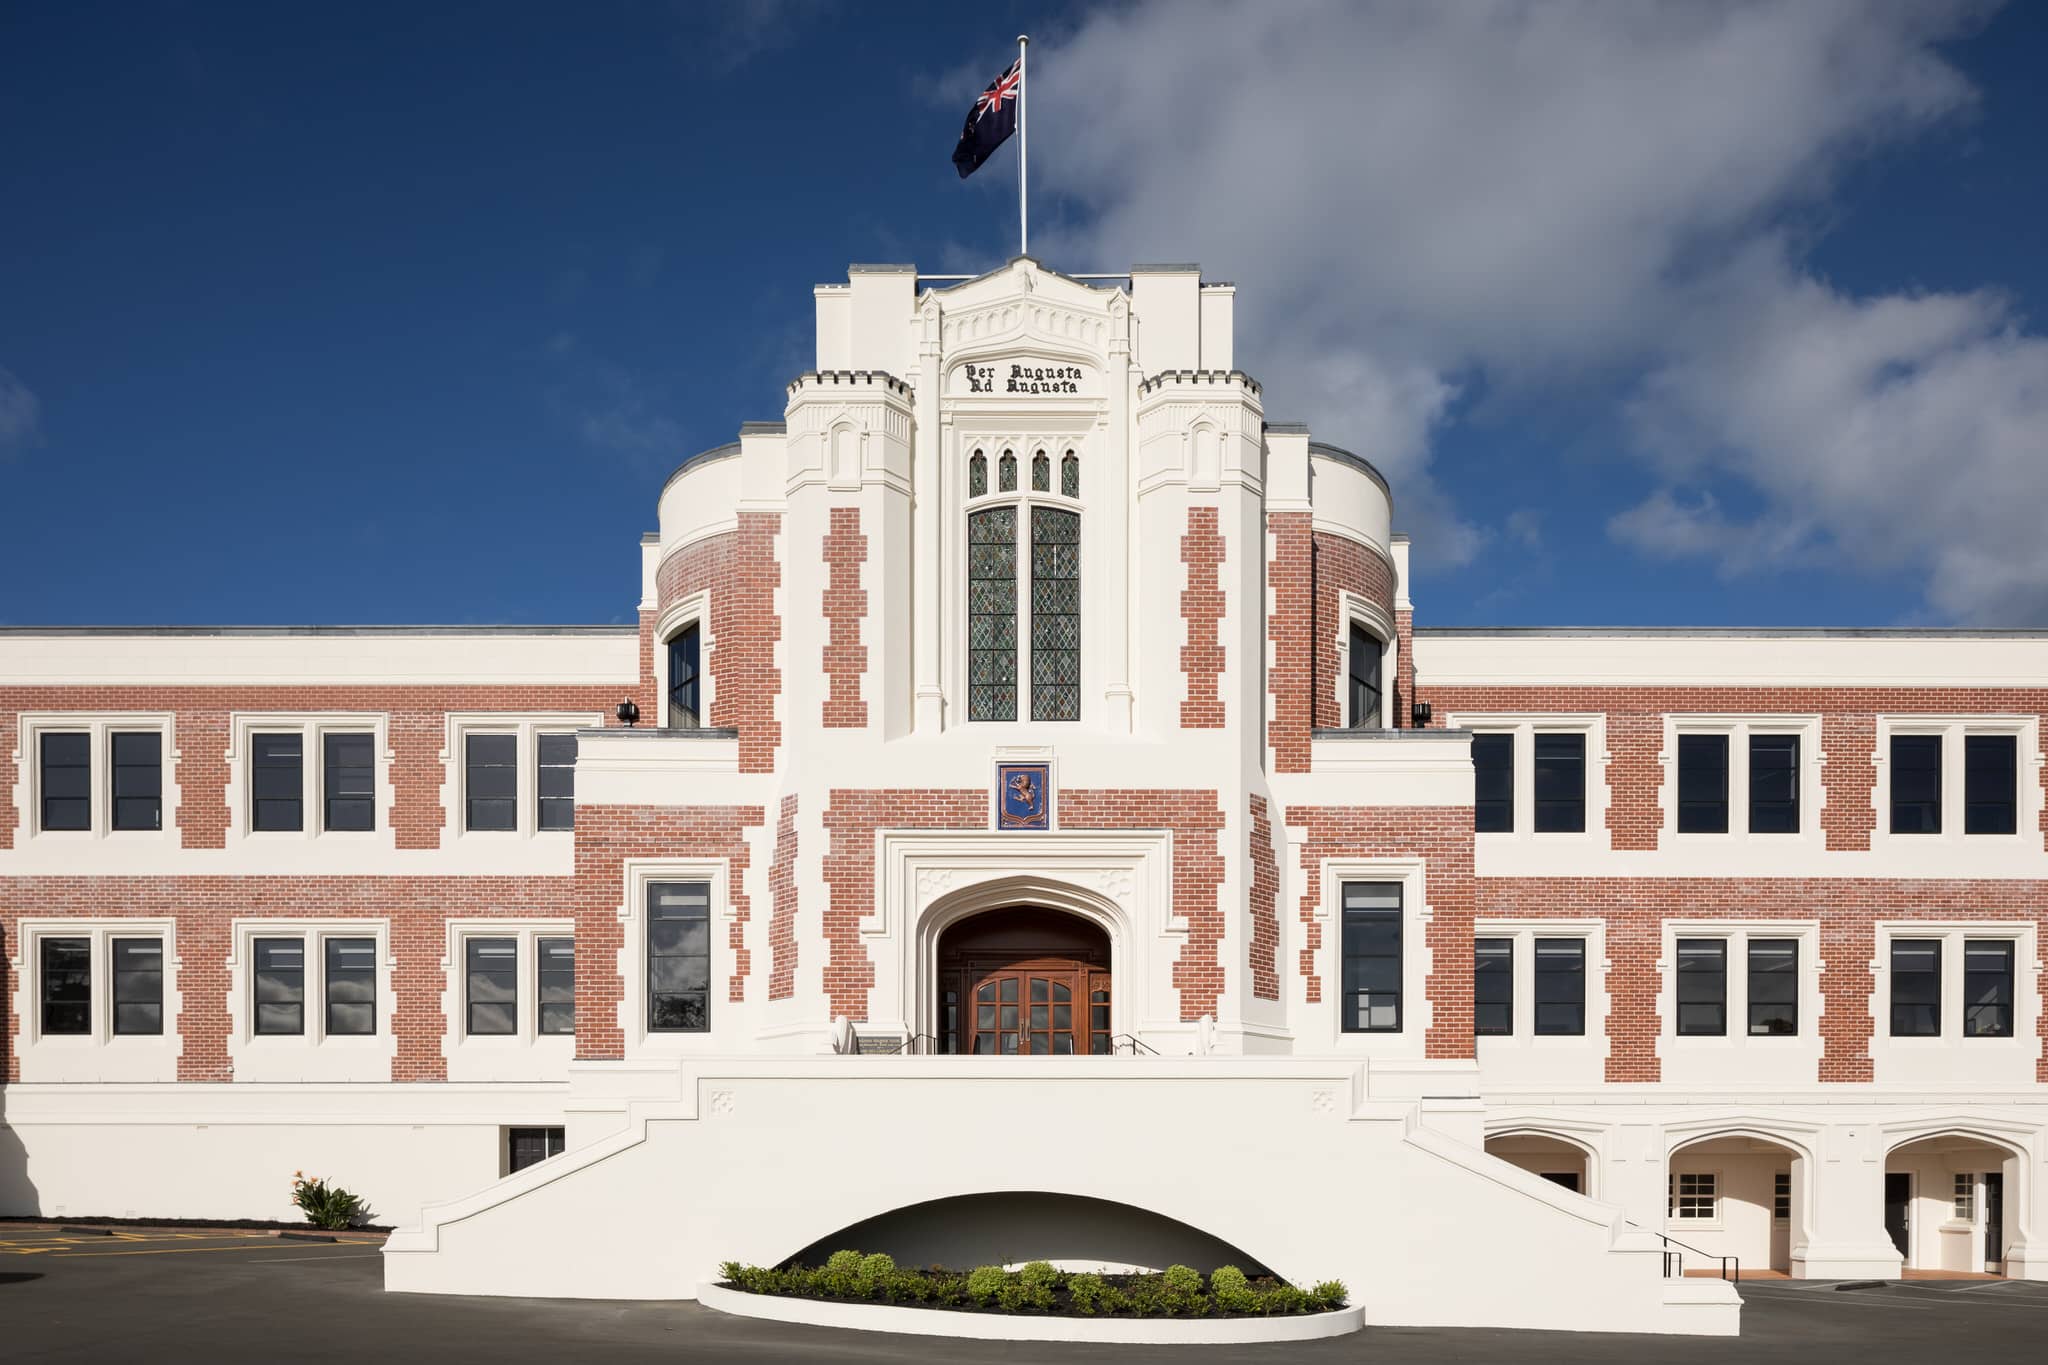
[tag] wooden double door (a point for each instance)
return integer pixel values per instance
(1024, 983)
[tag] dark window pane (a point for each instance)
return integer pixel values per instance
(348, 772)
(1916, 988)
(1561, 986)
(138, 969)
(685, 680)
(1773, 987)
(556, 974)
(678, 957)
(1703, 784)
(1370, 999)
(1493, 986)
(1990, 784)
(1055, 614)
(992, 611)
(138, 778)
(529, 1146)
(491, 984)
(66, 759)
(351, 986)
(557, 781)
(1560, 772)
(1987, 988)
(1493, 783)
(1702, 986)
(491, 781)
(1774, 784)
(1365, 679)
(1916, 784)
(277, 782)
(67, 985)
(280, 985)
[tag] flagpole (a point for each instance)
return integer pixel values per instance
(1023, 147)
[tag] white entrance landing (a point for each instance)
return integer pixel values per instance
(1291, 1160)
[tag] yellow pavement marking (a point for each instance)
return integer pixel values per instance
(194, 1251)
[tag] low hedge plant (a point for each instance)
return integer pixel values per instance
(1036, 1287)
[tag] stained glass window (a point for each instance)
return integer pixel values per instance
(992, 611)
(1070, 475)
(1007, 473)
(1041, 473)
(977, 475)
(1055, 614)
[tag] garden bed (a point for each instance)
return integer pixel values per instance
(1035, 1302)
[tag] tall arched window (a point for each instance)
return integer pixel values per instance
(977, 475)
(685, 687)
(1013, 596)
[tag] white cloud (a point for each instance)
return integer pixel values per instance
(1587, 198)
(20, 416)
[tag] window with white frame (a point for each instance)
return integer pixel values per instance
(1741, 776)
(1781, 1197)
(515, 981)
(95, 982)
(678, 957)
(314, 984)
(1364, 652)
(1752, 980)
(1021, 589)
(1966, 778)
(1694, 1196)
(1542, 776)
(1372, 967)
(309, 776)
(1535, 979)
(1966, 1197)
(1949, 982)
(94, 776)
(514, 776)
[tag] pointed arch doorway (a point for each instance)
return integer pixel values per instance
(1024, 981)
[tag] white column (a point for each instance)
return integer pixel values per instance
(1118, 698)
(926, 513)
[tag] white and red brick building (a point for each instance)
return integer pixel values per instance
(1046, 830)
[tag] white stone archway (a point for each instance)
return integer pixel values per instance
(1121, 882)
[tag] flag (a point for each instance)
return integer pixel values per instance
(991, 121)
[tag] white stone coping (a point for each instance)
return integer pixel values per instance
(940, 1322)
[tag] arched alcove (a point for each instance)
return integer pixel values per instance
(1011, 1227)
(1023, 980)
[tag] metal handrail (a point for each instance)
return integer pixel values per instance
(1674, 1262)
(1130, 1044)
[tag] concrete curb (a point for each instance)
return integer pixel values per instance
(939, 1322)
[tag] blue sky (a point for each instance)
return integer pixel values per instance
(1653, 315)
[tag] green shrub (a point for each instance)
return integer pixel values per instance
(327, 1206)
(984, 1282)
(1038, 1274)
(1232, 1291)
(1088, 1293)
(1181, 1279)
(1328, 1296)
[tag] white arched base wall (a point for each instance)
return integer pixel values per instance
(754, 1160)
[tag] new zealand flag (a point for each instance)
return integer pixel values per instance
(990, 122)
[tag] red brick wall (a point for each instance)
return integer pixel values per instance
(203, 910)
(1443, 836)
(605, 837)
(1201, 607)
(851, 819)
(1196, 819)
(1848, 908)
(740, 571)
(1264, 943)
(418, 729)
(846, 606)
(782, 955)
(1635, 736)
(1290, 578)
(1403, 714)
(1341, 565)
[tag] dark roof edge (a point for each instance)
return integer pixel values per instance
(1287, 428)
(1741, 632)
(1364, 465)
(288, 631)
(887, 269)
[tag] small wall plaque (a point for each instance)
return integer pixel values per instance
(1023, 796)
